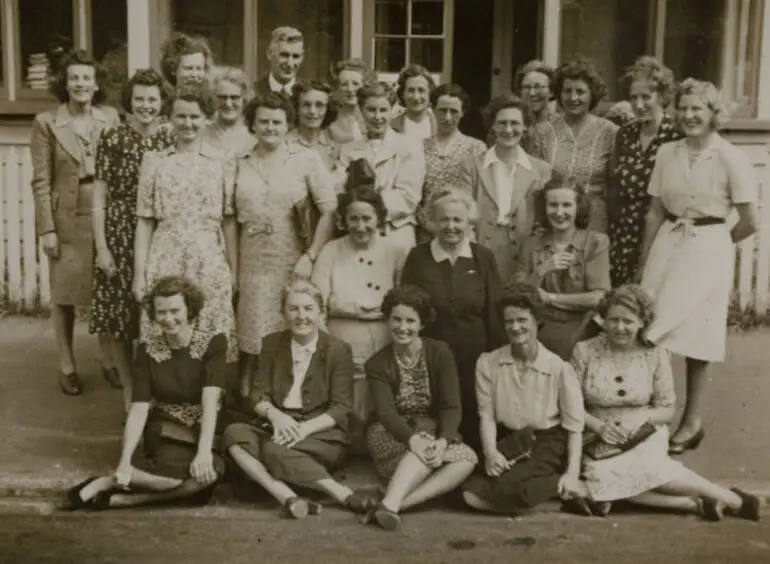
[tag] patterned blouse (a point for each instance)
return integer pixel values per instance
(414, 397)
(443, 167)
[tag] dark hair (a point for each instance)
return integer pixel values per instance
(355, 65)
(582, 214)
(651, 69)
(500, 103)
(74, 57)
(179, 46)
(413, 70)
(634, 298)
(172, 286)
(145, 77)
(198, 93)
(272, 101)
(453, 90)
(302, 87)
(411, 296)
(583, 69)
(522, 296)
(533, 66)
(361, 194)
(377, 89)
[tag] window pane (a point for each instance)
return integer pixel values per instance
(612, 33)
(747, 67)
(45, 28)
(427, 17)
(390, 17)
(320, 21)
(428, 53)
(389, 55)
(2, 52)
(694, 38)
(220, 22)
(110, 41)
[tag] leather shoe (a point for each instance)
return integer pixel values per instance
(750, 507)
(73, 494)
(113, 377)
(711, 509)
(70, 384)
(676, 447)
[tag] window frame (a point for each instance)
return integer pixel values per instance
(6, 35)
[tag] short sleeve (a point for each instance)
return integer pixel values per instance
(141, 390)
(571, 405)
(319, 182)
(218, 372)
(579, 360)
(484, 388)
(105, 157)
(597, 267)
(663, 394)
(478, 149)
(322, 270)
(740, 177)
(229, 173)
(145, 192)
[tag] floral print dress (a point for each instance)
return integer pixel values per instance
(631, 201)
(118, 158)
(188, 194)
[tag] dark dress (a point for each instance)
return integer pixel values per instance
(118, 158)
(174, 380)
(465, 296)
(631, 201)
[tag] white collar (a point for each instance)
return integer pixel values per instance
(440, 255)
(276, 86)
(310, 347)
(522, 159)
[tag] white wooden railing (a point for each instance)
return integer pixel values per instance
(24, 269)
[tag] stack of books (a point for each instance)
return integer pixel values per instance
(38, 71)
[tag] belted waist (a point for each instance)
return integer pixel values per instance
(697, 221)
(186, 224)
(90, 179)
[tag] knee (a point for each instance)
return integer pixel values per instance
(474, 502)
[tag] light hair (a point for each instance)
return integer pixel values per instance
(285, 34)
(234, 76)
(449, 194)
(302, 286)
(710, 95)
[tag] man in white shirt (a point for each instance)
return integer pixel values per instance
(285, 53)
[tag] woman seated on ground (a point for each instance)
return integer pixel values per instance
(629, 394)
(414, 439)
(303, 394)
(183, 373)
(569, 264)
(532, 417)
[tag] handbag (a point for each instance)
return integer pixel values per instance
(595, 448)
(360, 174)
(306, 215)
(517, 444)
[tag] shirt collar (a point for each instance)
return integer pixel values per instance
(522, 159)
(440, 255)
(540, 364)
(310, 347)
(276, 86)
(323, 138)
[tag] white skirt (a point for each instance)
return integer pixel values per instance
(689, 274)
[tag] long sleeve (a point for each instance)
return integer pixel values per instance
(406, 193)
(449, 402)
(341, 386)
(262, 386)
(494, 320)
(384, 400)
(42, 176)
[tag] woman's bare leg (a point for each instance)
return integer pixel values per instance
(124, 362)
(256, 471)
(409, 474)
(443, 481)
(697, 379)
(63, 318)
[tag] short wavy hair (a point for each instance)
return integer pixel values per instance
(146, 77)
(302, 87)
(452, 90)
(411, 296)
(302, 286)
(522, 296)
(271, 100)
(500, 103)
(451, 194)
(284, 34)
(199, 93)
(635, 299)
(710, 95)
(378, 89)
(535, 65)
(355, 65)
(582, 213)
(364, 194)
(413, 70)
(177, 47)
(58, 86)
(169, 286)
(583, 69)
(234, 76)
(650, 69)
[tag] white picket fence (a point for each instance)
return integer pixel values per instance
(24, 268)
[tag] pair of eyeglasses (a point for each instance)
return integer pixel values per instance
(535, 88)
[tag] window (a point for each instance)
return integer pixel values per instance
(109, 39)
(322, 23)
(411, 31)
(2, 53)
(220, 22)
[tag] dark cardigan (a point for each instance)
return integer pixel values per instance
(384, 378)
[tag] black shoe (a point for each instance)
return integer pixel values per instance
(675, 447)
(750, 507)
(70, 384)
(577, 506)
(361, 501)
(73, 494)
(600, 508)
(387, 518)
(113, 377)
(711, 509)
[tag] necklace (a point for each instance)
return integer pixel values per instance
(408, 361)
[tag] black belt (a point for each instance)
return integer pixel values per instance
(698, 221)
(87, 180)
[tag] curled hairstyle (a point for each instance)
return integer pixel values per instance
(634, 299)
(198, 93)
(379, 89)
(710, 96)
(284, 34)
(411, 71)
(650, 69)
(449, 194)
(583, 69)
(452, 90)
(146, 77)
(272, 101)
(234, 76)
(302, 87)
(74, 57)
(411, 296)
(301, 286)
(364, 194)
(179, 46)
(522, 296)
(500, 103)
(355, 65)
(533, 66)
(582, 211)
(172, 286)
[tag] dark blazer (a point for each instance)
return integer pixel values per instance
(262, 86)
(385, 378)
(328, 385)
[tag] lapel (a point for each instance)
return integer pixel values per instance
(487, 180)
(283, 376)
(65, 133)
(315, 369)
(522, 180)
